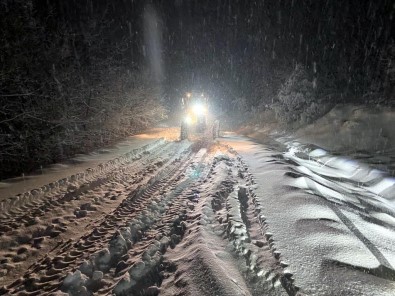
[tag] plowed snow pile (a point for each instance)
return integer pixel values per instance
(348, 128)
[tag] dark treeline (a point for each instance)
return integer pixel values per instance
(72, 78)
(75, 75)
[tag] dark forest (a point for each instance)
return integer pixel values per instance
(77, 75)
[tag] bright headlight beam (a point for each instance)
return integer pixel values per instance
(199, 109)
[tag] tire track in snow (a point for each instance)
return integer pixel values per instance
(26, 244)
(123, 252)
(70, 255)
(227, 201)
(22, 210)
(251, 237)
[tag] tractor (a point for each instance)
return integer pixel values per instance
(197, 118)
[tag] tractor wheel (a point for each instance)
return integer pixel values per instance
(184, 131)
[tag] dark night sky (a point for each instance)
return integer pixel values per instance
(235, 43)
(231, 46)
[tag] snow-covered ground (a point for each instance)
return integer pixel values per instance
(80, 163)
(353, 128)
(230, 217)
(332, 218)
(178, 218)
(362, 132)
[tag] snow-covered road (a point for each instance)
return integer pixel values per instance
(230, 217)
(332, 218)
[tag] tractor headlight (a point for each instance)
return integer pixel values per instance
(188, 119)
(199, 109)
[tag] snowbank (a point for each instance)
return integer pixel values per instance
(353, 128)
(344, 129)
